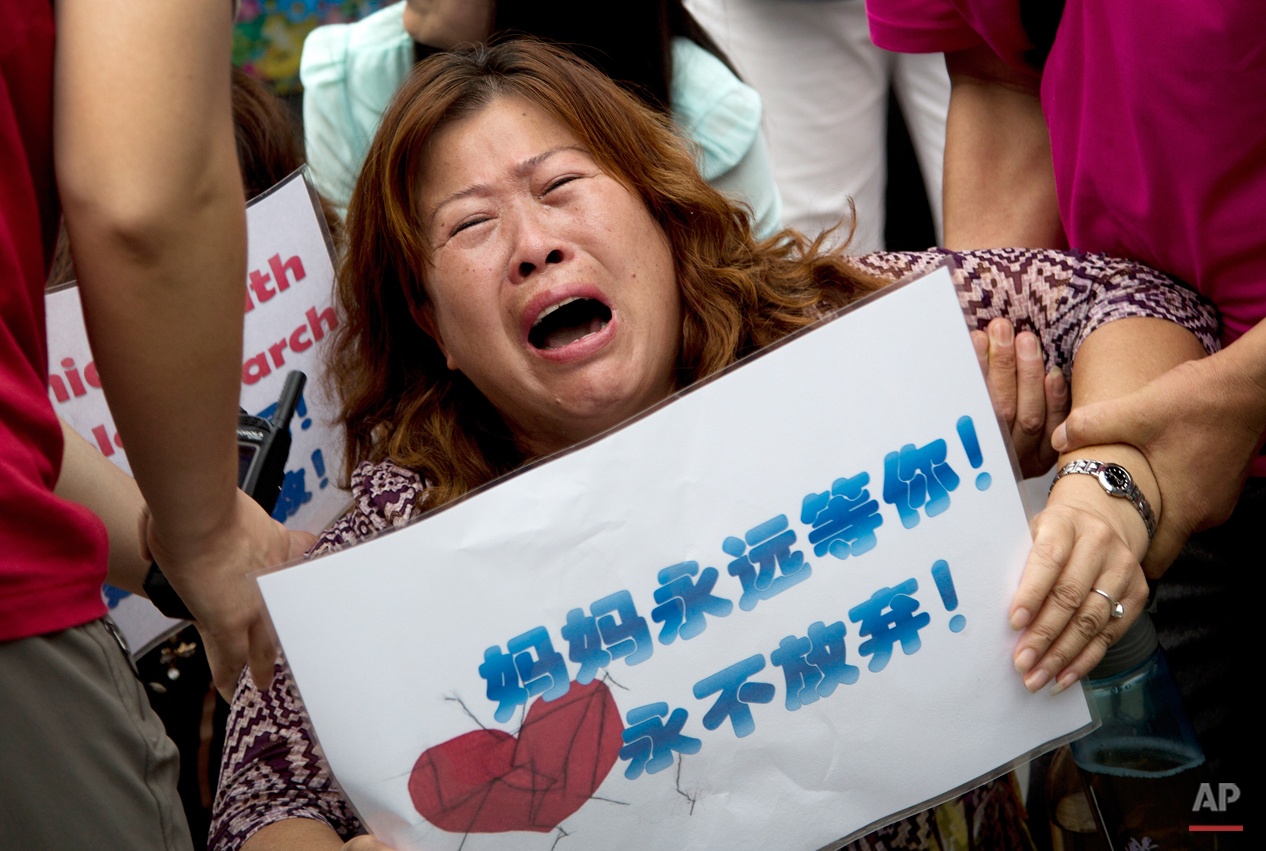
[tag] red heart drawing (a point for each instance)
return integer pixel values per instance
(487, 781)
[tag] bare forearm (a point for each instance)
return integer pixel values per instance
(148, 176)
(89, 479)
(999, 182)
(1199, 424)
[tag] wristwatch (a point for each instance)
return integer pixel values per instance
(163, 596)
(1116, 480)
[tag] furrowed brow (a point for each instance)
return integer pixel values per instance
(532, 163)
(523, 169)
(476, 189)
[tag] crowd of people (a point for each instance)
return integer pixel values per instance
(1103, 174)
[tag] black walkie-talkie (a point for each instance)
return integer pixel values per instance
(262, 449)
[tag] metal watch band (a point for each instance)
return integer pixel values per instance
(1116, 481)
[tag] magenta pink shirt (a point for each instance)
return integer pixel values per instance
(1157, 116)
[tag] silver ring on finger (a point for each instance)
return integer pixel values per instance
(1118, 611)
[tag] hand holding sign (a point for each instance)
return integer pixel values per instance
(1078, 545)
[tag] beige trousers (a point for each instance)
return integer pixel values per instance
(84, 761)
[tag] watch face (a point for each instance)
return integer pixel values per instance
(1116, 479)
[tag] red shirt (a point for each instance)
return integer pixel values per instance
(52, 552)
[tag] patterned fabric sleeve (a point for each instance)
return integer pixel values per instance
(385, 496)
(1061, 296)
(273, 768)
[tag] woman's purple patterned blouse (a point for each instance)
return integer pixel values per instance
(273, 768)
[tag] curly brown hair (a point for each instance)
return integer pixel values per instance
(398, 399)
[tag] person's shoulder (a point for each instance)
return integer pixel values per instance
(384, 496)
(719, 112)
(368, 54)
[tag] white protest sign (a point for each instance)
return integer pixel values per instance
(789, 585)
(288, 319)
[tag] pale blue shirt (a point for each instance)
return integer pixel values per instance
(350, 72)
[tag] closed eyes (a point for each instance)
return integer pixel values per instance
(550, 187)
(562, 181)
(467, 224)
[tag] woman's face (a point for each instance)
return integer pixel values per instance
(552, 288)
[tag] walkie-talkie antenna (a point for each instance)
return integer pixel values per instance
(289, 398)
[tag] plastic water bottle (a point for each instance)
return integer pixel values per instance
(1143, 767)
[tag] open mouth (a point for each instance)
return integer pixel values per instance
(570, 320)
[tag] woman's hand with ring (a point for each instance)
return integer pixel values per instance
(1085, 549)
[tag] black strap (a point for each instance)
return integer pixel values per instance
(163, 596)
